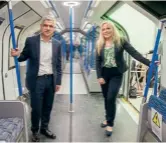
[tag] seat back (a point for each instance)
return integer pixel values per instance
(14, 109)
(162, 95)
(11, 109)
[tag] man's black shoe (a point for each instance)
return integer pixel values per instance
(35, 137)
(48, 133)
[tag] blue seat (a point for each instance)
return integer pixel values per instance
(10, 129)
(159, 105)
(13, 123)
(162, 95)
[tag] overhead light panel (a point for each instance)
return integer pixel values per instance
(71, 3)
(58, 30)
(45, 3)
(90, 13)
(54, 14)
(86, 29)
(95, 3)
(59, 25)
(51, 13)
(85, 23)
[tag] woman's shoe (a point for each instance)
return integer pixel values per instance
(104, 124)
(108, 131)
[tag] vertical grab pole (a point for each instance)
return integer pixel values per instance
(14, 46)
(156, 78)
(152, 63)
(86, 47)
(87, 52)
(93, 47)
(71, 63)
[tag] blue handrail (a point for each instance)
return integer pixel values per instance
(14, 46)
(152, 65)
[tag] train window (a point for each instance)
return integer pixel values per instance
(17, 31)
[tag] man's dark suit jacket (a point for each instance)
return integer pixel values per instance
(121, 64)
(31, 52)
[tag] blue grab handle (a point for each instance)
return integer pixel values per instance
(14, 46)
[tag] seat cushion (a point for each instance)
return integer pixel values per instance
(163, 95)
(10, 128)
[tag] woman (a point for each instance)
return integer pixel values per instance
(110, 66)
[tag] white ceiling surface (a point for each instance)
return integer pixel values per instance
(78, 13)
(37, 6)
(100, 10)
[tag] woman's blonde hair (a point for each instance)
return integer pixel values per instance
(115, 39)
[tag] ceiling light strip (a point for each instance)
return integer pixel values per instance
(44, 4)
(53, 6)
(95, 3)
(71, 4)
(88, 8)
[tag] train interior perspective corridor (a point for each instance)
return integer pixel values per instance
(78, 107)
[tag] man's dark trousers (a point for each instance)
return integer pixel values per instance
(42, 98)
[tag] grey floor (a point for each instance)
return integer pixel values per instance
(79, 86)
(84, 124)
(76, 67)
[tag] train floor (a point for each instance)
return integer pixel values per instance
(83, 125)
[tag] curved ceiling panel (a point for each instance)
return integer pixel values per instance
(27, 19)
(78, 13)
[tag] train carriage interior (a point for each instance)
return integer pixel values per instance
(78, 107)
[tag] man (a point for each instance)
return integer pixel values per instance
(43, 75)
